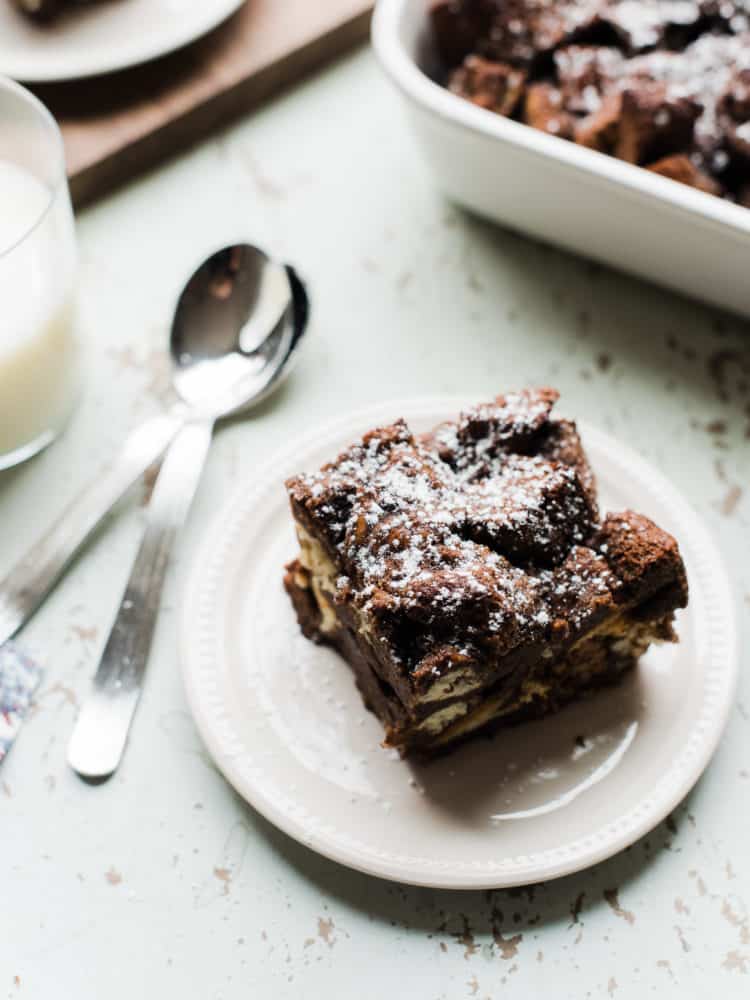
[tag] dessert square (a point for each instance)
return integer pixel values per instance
(467, 577)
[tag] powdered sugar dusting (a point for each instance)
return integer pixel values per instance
(469, 537)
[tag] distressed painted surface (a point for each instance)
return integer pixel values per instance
(162, 882)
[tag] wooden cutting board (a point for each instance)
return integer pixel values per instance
(117, 125)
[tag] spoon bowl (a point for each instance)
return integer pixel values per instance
(237, 320)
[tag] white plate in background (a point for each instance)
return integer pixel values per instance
(285, 724)
(102, 36)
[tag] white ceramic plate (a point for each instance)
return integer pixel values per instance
(285, 723)
(103, 36)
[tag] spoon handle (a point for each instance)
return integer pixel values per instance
(101, 731)
(32, 578)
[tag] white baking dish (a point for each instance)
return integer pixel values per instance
(560, 192)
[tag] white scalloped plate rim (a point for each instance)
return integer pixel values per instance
(201, 645)
(95, 42)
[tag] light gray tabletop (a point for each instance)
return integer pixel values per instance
(162, 882)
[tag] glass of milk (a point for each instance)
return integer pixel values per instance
(39, 357)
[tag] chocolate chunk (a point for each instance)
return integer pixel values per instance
(492, 85)
(543, 110)
(653, 123)
(600, 129)
(679, 167)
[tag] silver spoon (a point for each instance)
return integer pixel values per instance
(261, 294)
(225, 361)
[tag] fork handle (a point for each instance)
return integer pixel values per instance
(101, 731)
(36, 573)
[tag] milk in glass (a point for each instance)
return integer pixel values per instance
(38, 354)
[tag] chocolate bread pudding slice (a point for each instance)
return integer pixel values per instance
(466, 576)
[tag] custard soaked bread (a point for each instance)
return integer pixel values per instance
(466, 576)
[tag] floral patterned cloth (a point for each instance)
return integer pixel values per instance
(19, 677)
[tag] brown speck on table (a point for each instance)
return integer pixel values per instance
(68, 694)
(612, 898)
(664, 963)
(730, 916)
(508, 946)
(443, 946)
(731, 500)
(265, 185)
(325, 931)
(735, 961)
(681, 937)
(603, 362)
(404, 280)
(16, 980)
(85, 634)
(224, 875)
(466, 938)
(717, 427)
(113, 876)
(473, 986)
(700, 884)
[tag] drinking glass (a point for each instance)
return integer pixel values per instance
(39, 355)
